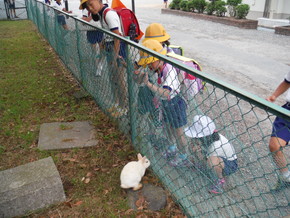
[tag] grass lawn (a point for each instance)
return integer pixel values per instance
(35, 88)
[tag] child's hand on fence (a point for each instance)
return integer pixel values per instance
(139, 76)
(271, 98)
(145, 78)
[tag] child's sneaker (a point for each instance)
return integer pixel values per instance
(113, 108)
(119, 112)
(218, 188)
(281, 184)
(171, 151)
(180, 160)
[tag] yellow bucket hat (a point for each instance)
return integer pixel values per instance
(156, 31)
(154, 45)
(81, 5)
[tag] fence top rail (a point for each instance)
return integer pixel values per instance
(247, 96)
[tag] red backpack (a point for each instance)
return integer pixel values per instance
(129, 23)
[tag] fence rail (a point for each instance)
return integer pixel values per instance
(244, 119)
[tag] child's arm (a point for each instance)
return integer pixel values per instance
(66, 11)
(283, 87)
(88, 19)
(165, 93)
(117, 43)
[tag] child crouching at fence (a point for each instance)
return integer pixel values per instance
(172, 104)
(220, 154)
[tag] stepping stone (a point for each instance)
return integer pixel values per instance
(29, 187)
(63, 135)
(154, 195)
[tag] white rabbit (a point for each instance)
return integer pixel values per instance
(133, 172)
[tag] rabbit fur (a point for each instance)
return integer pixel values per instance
(133, 172)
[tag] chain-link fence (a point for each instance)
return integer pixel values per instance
(164, 130)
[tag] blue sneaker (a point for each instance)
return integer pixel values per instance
(180, 160)
(170, 152)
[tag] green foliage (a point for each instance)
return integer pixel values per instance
(191, 5)
(210, 8)
(183, 5)
(242, 11)
(234, 3)
(200, 5)
(220, 8)
(217, 7)
(175, 4)
(171, 6)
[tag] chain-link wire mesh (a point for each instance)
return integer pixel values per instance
(156, 126)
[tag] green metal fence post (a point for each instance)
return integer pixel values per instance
(131, 95)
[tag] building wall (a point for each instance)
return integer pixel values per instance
(279, 9)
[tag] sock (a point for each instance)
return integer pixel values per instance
(286, 176)
(183, 156)
(172, 148)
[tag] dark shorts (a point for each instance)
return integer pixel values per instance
(231, 166)
(281, 127)
(110, 49)
(94, 36)
(174, 112)
(12, 5)
(61, 19)
(122, 51)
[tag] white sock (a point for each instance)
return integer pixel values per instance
(286, 176)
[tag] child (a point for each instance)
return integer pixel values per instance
(173, 106)
(220, 153)
(281, 134)
(94, 37)
(60, 18)
(156, 31)
(12, 8)
(165, 3)
(115, 52)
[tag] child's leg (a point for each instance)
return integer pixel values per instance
(65, 26)
(278, 156)
(180, 138)
(275, 146)
(217, 164)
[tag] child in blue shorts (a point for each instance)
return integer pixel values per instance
(280, 136)
(60, 18)
(221, 155)
(173, 105)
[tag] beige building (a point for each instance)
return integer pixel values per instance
(273, 9)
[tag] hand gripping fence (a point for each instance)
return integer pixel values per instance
(243, 119)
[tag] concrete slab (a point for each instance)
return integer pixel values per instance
(29, 187)
(62, 135)
(272, 23)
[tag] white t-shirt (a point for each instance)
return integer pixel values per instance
(168, 79)
(59, 6)
(287, 79)
(112, 22)
(222, 148)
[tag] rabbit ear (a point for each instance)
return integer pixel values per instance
(139, 156)
(144, 159)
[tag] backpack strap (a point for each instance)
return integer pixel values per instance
(105, 13)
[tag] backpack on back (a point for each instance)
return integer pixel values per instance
(192, 84)
(129, 23)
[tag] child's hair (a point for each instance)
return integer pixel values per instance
(206, 141)
(167, 43)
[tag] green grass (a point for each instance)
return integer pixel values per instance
(36, 89)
